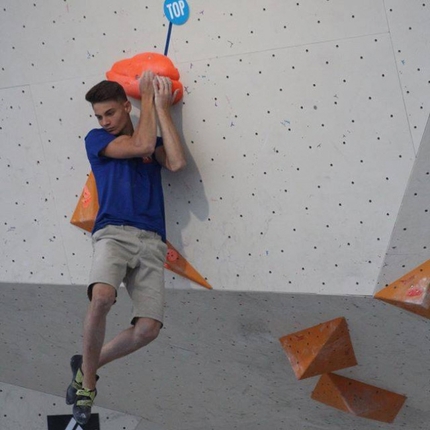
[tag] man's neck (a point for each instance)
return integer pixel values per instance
(128, 130)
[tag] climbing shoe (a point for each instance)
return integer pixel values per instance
(77, 378)
(76, 384)
(82, 407)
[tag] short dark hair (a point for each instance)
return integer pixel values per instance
(105, 91)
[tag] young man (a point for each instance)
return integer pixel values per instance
(129, 233)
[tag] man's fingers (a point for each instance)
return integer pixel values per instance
(147, 77)
(163, 83)
(148, 74)
(174, 95)
(163, 90)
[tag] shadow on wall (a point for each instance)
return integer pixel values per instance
(185, 183)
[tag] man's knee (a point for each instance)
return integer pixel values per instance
(103, 296)
(146, 330)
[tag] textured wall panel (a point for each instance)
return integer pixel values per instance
(297, 117)
(32, 244)
(409, 26)
(302, 163)
(64, 119)
(226, 28)
(217, 363)
(48, 40)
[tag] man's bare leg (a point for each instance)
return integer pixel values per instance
(135, 337)
(103, 297)
(95, 354)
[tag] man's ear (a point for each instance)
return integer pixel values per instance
(127, 106)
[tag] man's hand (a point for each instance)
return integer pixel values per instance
(163, 92)
(146, 86)
(171, 154)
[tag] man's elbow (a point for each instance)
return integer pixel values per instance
(144, 147)
(177, 166)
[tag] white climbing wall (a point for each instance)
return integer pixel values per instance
(302, 120)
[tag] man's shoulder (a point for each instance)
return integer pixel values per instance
(95, 141)
(98, 137)
(95, 133)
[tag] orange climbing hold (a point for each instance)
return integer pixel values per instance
(178, 264)
(127, 72)
(84, 217)
(87, 207)
(320, 349)
(410, 292)
(358, 398)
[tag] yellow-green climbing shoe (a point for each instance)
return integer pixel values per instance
(82, 407)
(77, 378)
(76, 384)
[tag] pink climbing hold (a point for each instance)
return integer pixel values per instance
(172, 255)
(86, 197)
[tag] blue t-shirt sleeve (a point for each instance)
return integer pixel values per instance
(95, 141)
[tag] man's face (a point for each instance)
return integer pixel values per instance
(113, 116)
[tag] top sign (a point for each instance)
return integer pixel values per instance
(177, 11)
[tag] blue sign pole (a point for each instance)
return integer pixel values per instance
(169, 33)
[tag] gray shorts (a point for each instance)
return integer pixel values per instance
(135, 257)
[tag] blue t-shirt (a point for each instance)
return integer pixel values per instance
(129, 190)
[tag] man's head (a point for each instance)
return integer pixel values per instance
(106, 91)
(111, 107)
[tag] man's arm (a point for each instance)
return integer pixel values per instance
(142, 142)
(171, 154)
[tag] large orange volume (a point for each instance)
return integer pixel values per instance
(320, 349)
(358, 398)
(127, 72)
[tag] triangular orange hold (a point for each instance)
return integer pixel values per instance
(84, 217)
(88, 205)
(358, 398)
(411, 292)
(178, 264)
(320, 349)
